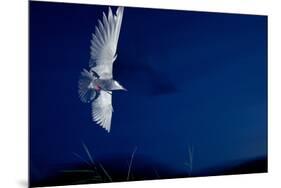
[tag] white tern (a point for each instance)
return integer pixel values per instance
(97, 84)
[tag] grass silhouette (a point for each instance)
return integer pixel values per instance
(95, 172)
(130, 165)
(98, 172)
(189, 163)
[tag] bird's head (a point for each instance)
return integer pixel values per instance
(118, 86)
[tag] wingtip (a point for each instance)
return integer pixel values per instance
(107, 129)
(120, 10)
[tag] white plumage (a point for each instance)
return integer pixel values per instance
(104, 43)
(97, 84)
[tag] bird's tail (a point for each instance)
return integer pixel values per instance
(86, 93)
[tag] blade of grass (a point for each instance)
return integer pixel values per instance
(189, 164)
(156, 172)
(88, 153)
(131, 162)
(105, 172)
(78, 156)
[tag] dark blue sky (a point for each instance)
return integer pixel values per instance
(193, 78)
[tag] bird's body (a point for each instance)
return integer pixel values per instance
(97, 84)
(107, 85)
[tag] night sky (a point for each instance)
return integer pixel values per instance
(194, 79)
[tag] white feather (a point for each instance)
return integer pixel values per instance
(103, 53)
(86, 93)
(102, 110)
(104, 43)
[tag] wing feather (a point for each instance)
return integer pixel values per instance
(102, 110)
(86, 93)
(104, 43)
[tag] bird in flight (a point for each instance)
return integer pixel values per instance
(97, 84)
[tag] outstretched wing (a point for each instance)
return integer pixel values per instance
(102, 110)
(104, 43)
